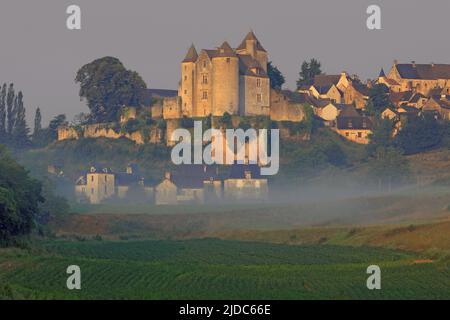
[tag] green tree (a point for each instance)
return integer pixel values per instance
(107, 86)
(381, 136)
(11, 118)
(378, 99)
(20, 196)
(276, 77)
(3, 112)
(20, 130)
(308, 71)
(419, 134)
(37, 122)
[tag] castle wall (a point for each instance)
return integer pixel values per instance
(172, 108)
(254, 98)
(104, 131)
(282, 109)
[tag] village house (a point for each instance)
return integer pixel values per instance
(99, 184)
(194, 184)
(420, 77)
(353, 126)
(356, 93)
(245, 183)
(439, 105)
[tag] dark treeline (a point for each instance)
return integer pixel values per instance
(14, 130)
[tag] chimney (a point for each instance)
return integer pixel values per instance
(432, 64)
(369, 83)
(413, 64)
(395, 62)
(168, 175)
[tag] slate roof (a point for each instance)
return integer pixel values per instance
(191, 55)
(349, 118)
(251, 36)
(238, 171)
(193, 176)
(325, 80)
(424, 71)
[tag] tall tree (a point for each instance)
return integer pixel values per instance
(20, 130)
(10, 97)
(378, 99)
(37, 125)
(3, 112)
(276, 77)
(107, 86)
(308, 71)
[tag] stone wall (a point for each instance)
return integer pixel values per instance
(282, 109)
(107, 131)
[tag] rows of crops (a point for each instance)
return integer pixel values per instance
(212, 269)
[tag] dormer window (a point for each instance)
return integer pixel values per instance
(350, 124)
(248, 175)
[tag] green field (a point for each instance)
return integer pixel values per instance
(216, 269)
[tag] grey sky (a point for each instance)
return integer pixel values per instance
(41, 56)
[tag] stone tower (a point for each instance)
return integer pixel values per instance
(225, 81)
(188, 78)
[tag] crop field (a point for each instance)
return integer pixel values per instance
(216, 269)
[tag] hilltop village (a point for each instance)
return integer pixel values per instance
(231, 87)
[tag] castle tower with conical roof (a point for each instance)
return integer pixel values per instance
(188, 77)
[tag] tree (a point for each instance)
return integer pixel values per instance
(20, 129)
(276, 77)
(378, 99)
(308, 71)
(10, 98)
(3, 112)
(37, 122)
(107, 86)
(381, 136)
(419, 134)
(20, 196)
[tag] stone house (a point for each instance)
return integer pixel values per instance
(439, 105)
(420, 77)
(353, 126)
(189, 184)
(245, 183)
(96, 185)
(356, 93)
(100, 184)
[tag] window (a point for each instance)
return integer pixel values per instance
(185, 78)
(185, 91)
(258, 97)
(204, 64)
(205, 79)
(228, 60)
(106, 178)
(92, 178)
(359, 135)
(258, 83)
(205, 95)
(347, 134)
(364, 124)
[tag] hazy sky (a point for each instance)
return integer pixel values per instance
(41, 56)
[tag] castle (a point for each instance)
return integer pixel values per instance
(225, 80)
